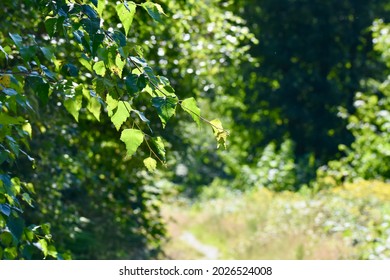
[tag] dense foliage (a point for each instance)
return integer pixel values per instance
(66, 56)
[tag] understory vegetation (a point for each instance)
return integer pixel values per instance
(350, 221)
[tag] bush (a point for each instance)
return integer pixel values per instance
(369, 154)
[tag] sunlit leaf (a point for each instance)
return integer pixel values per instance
(121, 115)
(27, 128)
(10, 253)
(189, 105)
(219, 132)
(111, 104)
(100, 7)
(100, 68)
(150, 164)
(119, 63)
(73, 106)
(43, 246)
(94, 107)
(154, 10)
(126, 14)
(132, 138)
(27, 198)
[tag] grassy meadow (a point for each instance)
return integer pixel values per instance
(351, 221)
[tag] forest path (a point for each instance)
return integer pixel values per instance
(209, 252)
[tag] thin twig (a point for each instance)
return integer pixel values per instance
(203, 119)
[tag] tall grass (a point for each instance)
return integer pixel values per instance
(347, 222)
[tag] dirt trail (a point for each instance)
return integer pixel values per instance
(209, 252)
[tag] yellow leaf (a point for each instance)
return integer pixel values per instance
(5, 81)
(219, 132)
(150, 164)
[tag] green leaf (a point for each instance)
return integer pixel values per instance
(121, 114)
(26, 197)
(38, 86)
(10, 91)
(90, 12)
(159, 144)
(5, 81)
(17, 39)
(60, 26)
(16, 226)
(6, 238)
(150, 164)
(28, 53)
(119, 38)
(43, 247)
(46, 228)
(5, 209)
(73, 106)
(50, 25)
(5, 181)
(189, 105)
(219, 133)
(5, 119)
(48, 73)
(94, 107)
(149, 73)
(141, 116)
(126, 14)
(47, 53)
(99, 85)
(132, 138)
(101, 6)
(83, 61)
(13, 145)
(135, 83)
(154, 10)
(70, 70)
(91, 26)
(29, 234)
(166, 108)
(96, 42)
(131, 84)
(100, 68)
(141, 82)
(10, 253)
(52, 251)
(3, 52)
(119, 64)
(111, 104)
